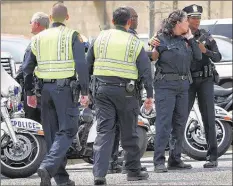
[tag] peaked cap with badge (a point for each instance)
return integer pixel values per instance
(193, 10)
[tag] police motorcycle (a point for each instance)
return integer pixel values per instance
(22, 143)
(194, 144)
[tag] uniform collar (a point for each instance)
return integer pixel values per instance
(132, 31)
(57, 24)
(118, 27)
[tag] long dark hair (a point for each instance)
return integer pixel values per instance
(169, 23)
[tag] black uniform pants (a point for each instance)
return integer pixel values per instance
(204, 89)
(115, 105)
(171, 101)
(60, 124)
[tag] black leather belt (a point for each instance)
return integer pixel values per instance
(197, 74)
(172, 77)
(112, 84)
(65, 81)
(48, 80)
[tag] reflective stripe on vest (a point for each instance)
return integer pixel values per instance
(53, 51)
(116, 53)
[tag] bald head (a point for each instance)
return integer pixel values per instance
(59, 12)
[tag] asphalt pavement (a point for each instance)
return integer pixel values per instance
(81, 173)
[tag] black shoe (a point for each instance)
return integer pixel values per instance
(135, 176)
(124, 171)
(44, 176)
(210, 164)
(100, 181)
(179, 166)
(69, 183)
(114, 169)
(160, 168)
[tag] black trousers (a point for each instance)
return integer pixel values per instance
(204, 89)
(115, 105)
(60, 123)
(171, 101)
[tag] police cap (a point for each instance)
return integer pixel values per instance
(193, 10)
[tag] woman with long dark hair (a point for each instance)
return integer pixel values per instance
(175, 49)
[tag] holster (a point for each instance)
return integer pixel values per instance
(75, 89)
(93, 85)
(139, 88)
(38, 87)
(215, 74)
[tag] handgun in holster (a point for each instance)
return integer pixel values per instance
(205, 71)
(75, 89)
(215, 74)
(38, 87)
(93, 85)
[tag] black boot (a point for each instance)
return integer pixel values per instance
(210, 164)
(68, 183)
(114, 168)
(160, 168)
(179, 166)
(44, 176)
(135, 176)
(100, 181)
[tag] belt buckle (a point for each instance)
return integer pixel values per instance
(182, 77)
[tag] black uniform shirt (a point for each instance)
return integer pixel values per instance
(176, 54)
(212, 51)
(142, 62)
(80, 65)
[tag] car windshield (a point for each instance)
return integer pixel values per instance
(225, 48)
(16, 47)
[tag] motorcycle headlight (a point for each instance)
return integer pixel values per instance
(148, 114)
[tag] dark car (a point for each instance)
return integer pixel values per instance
(16, 46)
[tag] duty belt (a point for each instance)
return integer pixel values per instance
(171, 77)
(112, 84)
(66, 81)
(197, 74)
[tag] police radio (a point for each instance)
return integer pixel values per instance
(130, 86)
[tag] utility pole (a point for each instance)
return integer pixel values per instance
(209, 9)
(175, 5)
(151, 18)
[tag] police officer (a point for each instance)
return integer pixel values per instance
(117, 59)
(176, 50)
(38, 22)
(57, 55)
(114, 166)
(203, 75)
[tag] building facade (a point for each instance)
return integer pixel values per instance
(88, 17)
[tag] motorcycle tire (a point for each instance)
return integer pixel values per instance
(31, 168)
(142, 134)
(201, 155)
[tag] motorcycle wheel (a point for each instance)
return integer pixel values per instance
(194, 144)
(24, 161)
(142, 134)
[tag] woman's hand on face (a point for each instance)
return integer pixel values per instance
(188, 35)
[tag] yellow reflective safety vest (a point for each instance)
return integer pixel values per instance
(54, 54)
(116, 53)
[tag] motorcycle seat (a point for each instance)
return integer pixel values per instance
(220, 91)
